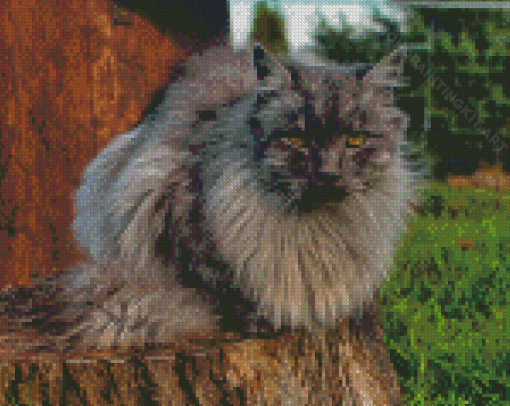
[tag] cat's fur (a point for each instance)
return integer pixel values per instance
(258, 194)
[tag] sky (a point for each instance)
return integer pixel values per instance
(301, 16)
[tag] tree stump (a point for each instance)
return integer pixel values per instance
(341, 366)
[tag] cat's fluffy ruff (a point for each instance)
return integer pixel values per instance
(195, 183)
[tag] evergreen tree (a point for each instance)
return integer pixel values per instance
(345, 45)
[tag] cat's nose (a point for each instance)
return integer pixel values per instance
(327, 179)
(331, 167)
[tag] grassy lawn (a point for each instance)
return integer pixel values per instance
(445, 305)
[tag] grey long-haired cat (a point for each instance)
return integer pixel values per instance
(260, 195)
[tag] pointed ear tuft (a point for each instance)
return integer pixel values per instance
(261, 61)
(389, 70)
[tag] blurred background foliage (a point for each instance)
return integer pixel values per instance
(468, 49)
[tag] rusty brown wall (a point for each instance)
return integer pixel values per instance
(72, 75)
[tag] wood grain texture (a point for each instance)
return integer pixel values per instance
(343, 366)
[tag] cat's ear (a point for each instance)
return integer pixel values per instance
(388, 71)
(271, 73)
(263, 62)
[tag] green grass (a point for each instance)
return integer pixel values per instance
(445, 305)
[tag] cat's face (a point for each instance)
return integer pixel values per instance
(323, 160)
(307, 139)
